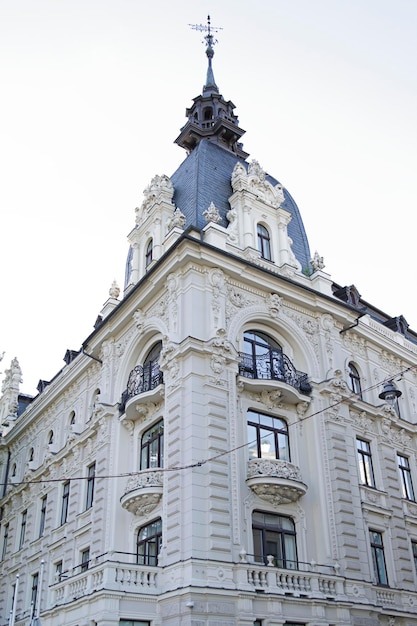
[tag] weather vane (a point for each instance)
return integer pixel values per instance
(209, 29)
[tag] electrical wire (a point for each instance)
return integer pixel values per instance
(180, 468)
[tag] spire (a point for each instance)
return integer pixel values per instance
(210, 41)
(211, 117)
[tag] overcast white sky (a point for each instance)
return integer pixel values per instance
(93, 93)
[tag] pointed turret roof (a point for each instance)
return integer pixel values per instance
(211, 116)
(211, 138)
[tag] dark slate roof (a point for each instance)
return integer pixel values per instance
(204, 177)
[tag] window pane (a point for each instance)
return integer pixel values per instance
(253, 445)
(267, 444)
(290, 551)
(283, 451)
(257, 544)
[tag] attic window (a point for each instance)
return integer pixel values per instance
(349, 294)
(397, 324)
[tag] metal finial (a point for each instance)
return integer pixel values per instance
(209, 29)
(210, 41)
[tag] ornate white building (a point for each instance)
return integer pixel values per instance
(229, 447)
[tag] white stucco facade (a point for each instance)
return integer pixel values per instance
(177, 532)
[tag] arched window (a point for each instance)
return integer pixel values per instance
(31, 454)
(274, 535)
(51, 437)
(264, 242)
(151, 371)
(145, 377)
(355, 380)
(72, 418)
(152, 447)
(262, 356)
(14, 469)
(267, 437)
(149, 253)
(148, 543)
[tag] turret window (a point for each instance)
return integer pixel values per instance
(264, 242)
(149, 253)
(208, 114)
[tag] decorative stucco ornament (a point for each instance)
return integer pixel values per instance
(255, 182)
(160, 189)
(177, 220)
(317, 262)
(273, 303)
(114, 290)
(212, 214)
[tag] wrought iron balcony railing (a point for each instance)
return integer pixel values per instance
(141, 379)
(273, 365)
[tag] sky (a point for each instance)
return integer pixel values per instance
(94, 92)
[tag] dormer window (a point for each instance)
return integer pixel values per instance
(149, 253)
(264, 242)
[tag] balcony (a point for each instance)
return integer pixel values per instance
(274, 365)
(297, 583)
(144, 381)
(108, 575)
(274, 480)
(143, 492)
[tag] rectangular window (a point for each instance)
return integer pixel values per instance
(85, 559)
(378, 558)
(23, 529)
(365, 463)
(42, 516)
(65, 502)
(405, 476)
(5, 538)
(91, 474)
(58, 572)
(274, 540)
(129, 622)
(34, 594)
(414, 549)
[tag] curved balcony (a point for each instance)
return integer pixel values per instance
(274, 366)
(276, 481)
(144, 381)
(143, 492)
